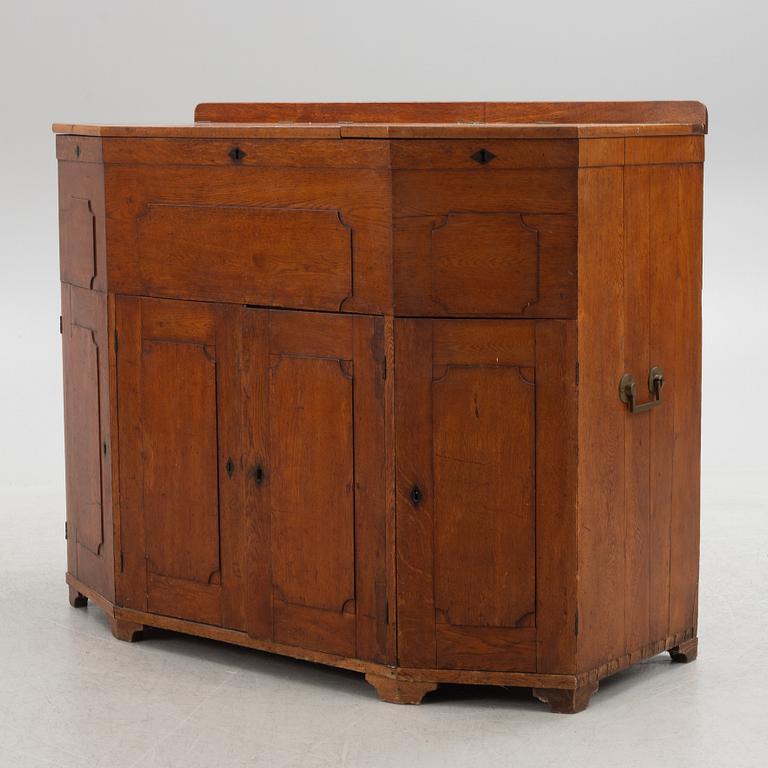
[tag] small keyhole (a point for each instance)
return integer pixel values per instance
(230, 467)
(77, 150)
(258, 474)
(416, 494)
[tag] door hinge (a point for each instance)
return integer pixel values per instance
(386, 611)
(61, 324)
(66, 530)
(384, 368)
(115, 340)
(122, 563)
(577, 374)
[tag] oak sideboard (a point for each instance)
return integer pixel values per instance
(408, 389)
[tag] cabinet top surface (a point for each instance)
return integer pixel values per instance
(415, 120)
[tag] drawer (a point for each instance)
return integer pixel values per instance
(312, 238)
(485, 229)
(490, 154)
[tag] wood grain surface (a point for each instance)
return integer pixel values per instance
(341, 382)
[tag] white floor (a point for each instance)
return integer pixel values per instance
(71, 695)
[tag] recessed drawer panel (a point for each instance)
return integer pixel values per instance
(467, 263)
(260, 255)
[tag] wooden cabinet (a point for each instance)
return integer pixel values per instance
(411, 390)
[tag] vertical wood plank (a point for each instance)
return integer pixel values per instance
(664, 338)
(231, 489)
(67, 367)
(601, 477)
(684, 547)
(556, 462)
(114, 442)
(415, 548)
(66, 321)
(370, 499)
(132, 586)
(255, 408)
(637, 308)
(390, 493)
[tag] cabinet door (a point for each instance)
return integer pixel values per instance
(314, 424)
(87, 437)
(465, 393)
(180, 518)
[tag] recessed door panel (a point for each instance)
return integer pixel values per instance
(311, 404)
(483, 437)
(180, 459)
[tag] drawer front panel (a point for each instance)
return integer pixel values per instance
(265, 153)
(313, 238)
(485, 264)
(485, 242)
(260, 255)
(495, 154)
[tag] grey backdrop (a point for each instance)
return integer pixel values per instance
(152, 61)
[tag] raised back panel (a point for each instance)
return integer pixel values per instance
(692, 112)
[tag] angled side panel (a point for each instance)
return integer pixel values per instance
(638, 479)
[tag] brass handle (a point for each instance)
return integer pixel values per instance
(628, 390)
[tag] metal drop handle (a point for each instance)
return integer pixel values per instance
(628, 390)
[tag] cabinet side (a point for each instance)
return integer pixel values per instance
(639, 306)
(87, 364)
